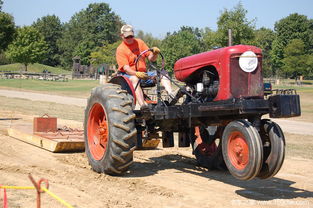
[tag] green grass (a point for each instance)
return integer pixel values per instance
(36, 68)
(306, 99)
(299, 145)
(74, 88)
(38, 108)
(307, 88)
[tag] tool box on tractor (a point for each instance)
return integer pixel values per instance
(219, 115)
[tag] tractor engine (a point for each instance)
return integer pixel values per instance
(222, 74)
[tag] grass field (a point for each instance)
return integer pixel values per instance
(38, 108)
(299, 145)
(306, 99)
(74, 88)
(36, 68)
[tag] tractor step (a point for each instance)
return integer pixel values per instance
(150, 143)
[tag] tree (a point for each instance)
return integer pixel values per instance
(7, 30)
(149, 39)
(235, 19)
(104, 54)
(309, 66)
(209, 39)
(185, 42)
(311, 37)
(87, 30)
(51, 28)
(1, 3)
(28, 47)
(295, 61)
(263, 39)
(3, 59)
(277, 55)
(294, 26)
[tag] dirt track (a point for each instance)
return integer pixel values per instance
(158, 178)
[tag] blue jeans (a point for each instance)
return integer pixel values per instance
(145, 82)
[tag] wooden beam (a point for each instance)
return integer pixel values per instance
(52, 145)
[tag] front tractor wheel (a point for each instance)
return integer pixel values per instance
(273, 148)
(109, 130)
(242, 149)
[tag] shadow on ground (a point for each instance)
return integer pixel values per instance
(270, 189)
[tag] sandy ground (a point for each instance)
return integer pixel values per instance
(158, 178)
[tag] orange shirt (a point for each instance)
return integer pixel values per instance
(127, 54)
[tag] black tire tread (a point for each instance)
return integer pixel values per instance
(113, 170)
(122, 126)
(126, 103)
(273, 130)
(120, 110)
(118, 158)
(121, 91)
(126, 165)
(125, 153)
(116, 96)
(129, 118)
(121, 143)
(122, 135)
(130, 135)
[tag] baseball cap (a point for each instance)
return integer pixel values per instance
(127, 30)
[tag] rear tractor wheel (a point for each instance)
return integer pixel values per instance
(242, 149)
(110, 133)
(273, 148)
(208, 148)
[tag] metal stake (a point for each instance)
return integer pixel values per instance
(38, 187)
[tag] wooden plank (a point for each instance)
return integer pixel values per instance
(47, 144)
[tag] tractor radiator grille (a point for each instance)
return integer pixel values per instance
(243, 84)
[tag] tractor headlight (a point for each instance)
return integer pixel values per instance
(248, 61)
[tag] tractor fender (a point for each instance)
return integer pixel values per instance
(125, 84)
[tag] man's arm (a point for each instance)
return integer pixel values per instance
(129, 71)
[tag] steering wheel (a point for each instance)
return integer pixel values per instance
(150, 63)
(160, 71)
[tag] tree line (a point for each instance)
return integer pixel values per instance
(93, 35)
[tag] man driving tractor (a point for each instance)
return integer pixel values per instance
(126, 55)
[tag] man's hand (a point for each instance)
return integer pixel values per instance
(142, 75)
(155, 50)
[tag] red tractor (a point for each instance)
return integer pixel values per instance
(219, 114)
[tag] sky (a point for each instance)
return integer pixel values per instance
(161, 16)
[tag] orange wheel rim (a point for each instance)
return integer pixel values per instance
(238, 150)
(98, 131)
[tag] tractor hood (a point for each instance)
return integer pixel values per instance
(184, 67)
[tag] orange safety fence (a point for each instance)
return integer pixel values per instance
(5, 199)
(39, 190)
